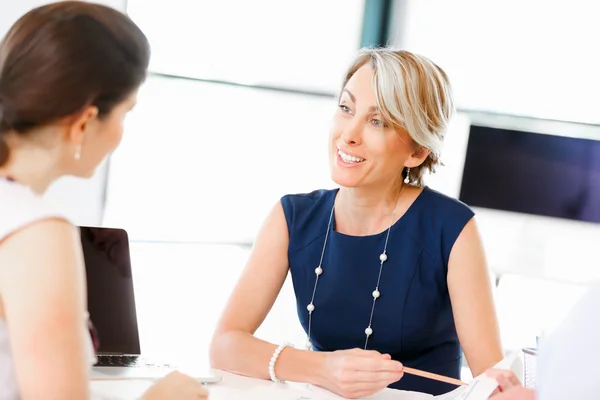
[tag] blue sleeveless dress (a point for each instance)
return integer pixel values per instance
(413, 319)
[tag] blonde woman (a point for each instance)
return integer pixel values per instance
(387, 272)
(69, 74)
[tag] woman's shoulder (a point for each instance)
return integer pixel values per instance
(20, 206)
(301, 202)
(309, 197)
(443, 209)
(305, 211)
(443, 205)
(438, 221)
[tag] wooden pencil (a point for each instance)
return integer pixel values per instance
(433, 376)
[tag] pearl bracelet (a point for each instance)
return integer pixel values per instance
(274, 358)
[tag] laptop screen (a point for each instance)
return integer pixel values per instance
(111, 300)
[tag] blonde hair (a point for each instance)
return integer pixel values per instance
(412, 94)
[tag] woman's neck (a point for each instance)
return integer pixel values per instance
(31, 166)
(366, 211)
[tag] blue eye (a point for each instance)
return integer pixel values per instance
(344, 108)
(378, 123)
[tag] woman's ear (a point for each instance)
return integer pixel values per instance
(81, 124)
(417, 157)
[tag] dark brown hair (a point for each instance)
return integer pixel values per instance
(60, 58)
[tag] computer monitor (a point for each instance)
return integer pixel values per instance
(110, 293)
(545, 168)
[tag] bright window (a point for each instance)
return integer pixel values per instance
(510, 57)
(302, 45)
(206, 162)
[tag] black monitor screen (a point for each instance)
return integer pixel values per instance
(532, 173)
(111, 301)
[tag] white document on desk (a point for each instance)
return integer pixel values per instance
(262, 393)
(479, 389)
(482, 387)
(309, 393)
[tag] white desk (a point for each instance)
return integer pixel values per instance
(234, 387)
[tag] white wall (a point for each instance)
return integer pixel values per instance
(82, 200)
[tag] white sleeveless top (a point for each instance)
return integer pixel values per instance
(19, 206)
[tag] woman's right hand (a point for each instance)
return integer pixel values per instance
(176, 386)
(359, 373)
(506, 379)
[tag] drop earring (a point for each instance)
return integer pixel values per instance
(407, 179)
(78, 152)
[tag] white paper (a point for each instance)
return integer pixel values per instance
(313, 393)
(482, 387)
(308, 392)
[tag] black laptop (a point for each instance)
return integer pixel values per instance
(111, 304)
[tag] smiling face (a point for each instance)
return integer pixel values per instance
(365, 151)
(393, 114)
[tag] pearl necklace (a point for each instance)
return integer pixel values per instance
(375, 294)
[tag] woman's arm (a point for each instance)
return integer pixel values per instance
(472, 301)
(234, 348)
(350, 373)
(42, 287)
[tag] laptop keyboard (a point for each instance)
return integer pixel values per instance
(130, 361)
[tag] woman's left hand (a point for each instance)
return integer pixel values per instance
(506, 379)
(515, 393)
